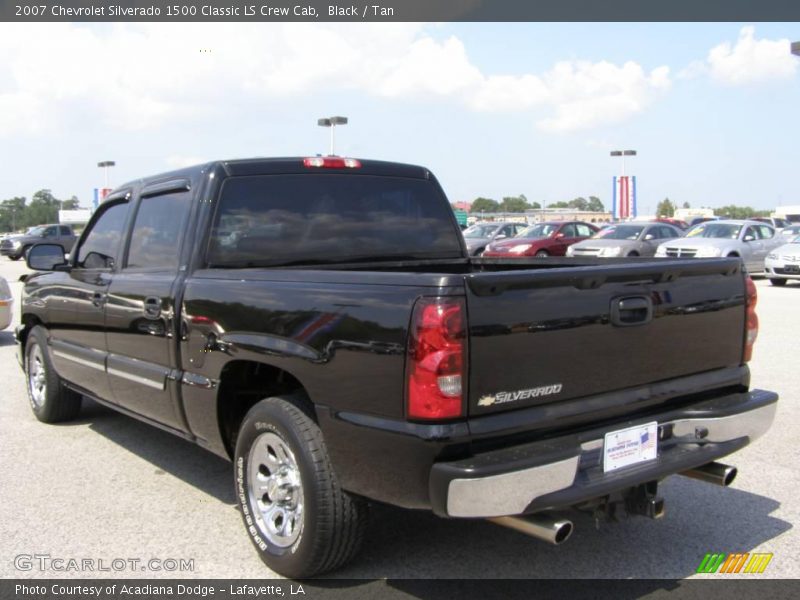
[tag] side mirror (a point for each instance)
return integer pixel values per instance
(649, 237)
(558, 236)
(45, 257)
(502, 236)
(749, 238)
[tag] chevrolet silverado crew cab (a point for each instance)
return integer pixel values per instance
(320, 323)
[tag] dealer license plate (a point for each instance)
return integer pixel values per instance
(630, 446)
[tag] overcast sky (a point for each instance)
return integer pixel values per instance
(491, 109)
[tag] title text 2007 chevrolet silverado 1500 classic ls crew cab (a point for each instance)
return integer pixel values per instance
(320, 322)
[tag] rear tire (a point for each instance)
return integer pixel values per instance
(12, 257)
(299, 519)
(633, 254)
(778, 282)
(542, 254)
(50, 400)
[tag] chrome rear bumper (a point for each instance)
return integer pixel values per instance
(559, 472)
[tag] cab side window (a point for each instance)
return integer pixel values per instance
(157, 231)
(584, 230)
(66, 231)
(101, 244)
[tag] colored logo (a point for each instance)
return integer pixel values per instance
(738, 562)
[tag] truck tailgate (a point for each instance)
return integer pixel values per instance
(549, 335)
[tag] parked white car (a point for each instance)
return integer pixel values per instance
(783, 263)
(749, 240)
(6, 304)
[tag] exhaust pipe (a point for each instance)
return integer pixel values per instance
(713, 472)
(547, 529)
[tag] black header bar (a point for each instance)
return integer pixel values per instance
(398, 10)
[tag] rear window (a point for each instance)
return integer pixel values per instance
(620, 232)
(273, 220)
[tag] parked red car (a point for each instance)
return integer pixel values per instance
(551, 238)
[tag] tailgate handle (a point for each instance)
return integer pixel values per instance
(633, 310)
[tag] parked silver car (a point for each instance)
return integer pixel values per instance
(479, 236)
(625, 239)
(783, 263)
(749, 240)
(791, 232)
(6, 304)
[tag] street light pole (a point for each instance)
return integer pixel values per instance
(332, 122)
(623, 154)
(105, 165)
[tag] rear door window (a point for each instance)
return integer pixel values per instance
(157, 231)
(766, 232)
(569, 231)
(284, 219)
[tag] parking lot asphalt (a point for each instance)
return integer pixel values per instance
(108, 487)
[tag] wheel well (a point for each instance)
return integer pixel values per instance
(242, 384)
(736, 254)
(30, 321)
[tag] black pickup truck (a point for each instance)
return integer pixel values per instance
(319, 322)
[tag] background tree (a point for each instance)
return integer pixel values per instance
(579, 203)
(687, 205)
(42, 209)
(480, 205)
(71, 204)
(595, 204)
(12, 213)
(732, 211)
(665, 208)
(514, 204)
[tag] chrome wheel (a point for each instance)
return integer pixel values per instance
(275, 490)
(37, 376)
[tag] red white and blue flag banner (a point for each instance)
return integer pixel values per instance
(624, 205)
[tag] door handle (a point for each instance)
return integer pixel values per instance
(152, 307)
(98, 299)
(633, 310)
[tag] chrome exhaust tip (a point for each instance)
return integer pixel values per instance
(548, 529)
(713, 472)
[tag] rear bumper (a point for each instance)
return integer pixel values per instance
(565, 471)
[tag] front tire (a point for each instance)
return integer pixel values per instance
(542, 254)
(777, 281)
(50, 400)
(299, 519)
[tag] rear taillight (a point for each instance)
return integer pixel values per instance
(751, 321)
(436, 359)
(331, 162)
